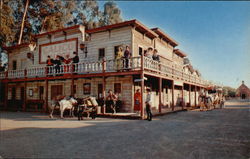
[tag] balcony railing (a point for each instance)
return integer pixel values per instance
(166, 69)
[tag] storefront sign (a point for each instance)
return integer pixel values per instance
(61, 48)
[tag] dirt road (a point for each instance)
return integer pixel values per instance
(220, 133)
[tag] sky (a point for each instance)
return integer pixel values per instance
(215, 35)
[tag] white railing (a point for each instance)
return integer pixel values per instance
(114, 65)
(16, 74)
(111, 65)
(88, 67)
(2, 75)
(171, 70)
(36, 72)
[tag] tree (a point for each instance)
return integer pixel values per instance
(23, 20)
(7, 23)
(111, 14)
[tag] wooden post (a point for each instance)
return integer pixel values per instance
(72, 81)
(25, 93)
(142, 87)
(173, 95)
(45, 106)
(190, 95)
(195, 102)
(160, 89)
(25, 96)
(182, 93)
(104, 85)
(6, 95)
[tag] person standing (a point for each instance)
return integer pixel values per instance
(111, 99)
(75, 61)
(127, 55)
(148, 105)
(119, 59)
(148, 54)
(50, 63)
(57, 63)
(66, 61)
(155, 55)
(137, 100)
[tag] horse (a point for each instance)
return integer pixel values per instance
(205, 101)
(87, 105)
(65, 103)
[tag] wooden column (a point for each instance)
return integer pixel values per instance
(182, 96)
(195, 101)
(190, 95)
(104, 85)
(142, 87)
(25, 96)
(72, 87)
(72, 81)
(45, 106)
(173, 95)
(160, 89)
(6, 92)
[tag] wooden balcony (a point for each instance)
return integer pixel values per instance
(168, 70)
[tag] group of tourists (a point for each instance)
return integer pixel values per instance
(59, 60)
(152, 54)
(122, 58)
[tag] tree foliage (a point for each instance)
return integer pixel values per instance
(46, 15)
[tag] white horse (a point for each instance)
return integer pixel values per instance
(63, 104)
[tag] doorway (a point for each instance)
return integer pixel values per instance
(56, 90)
(243, 96)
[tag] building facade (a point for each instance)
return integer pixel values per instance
(30, 85)
(243, 91)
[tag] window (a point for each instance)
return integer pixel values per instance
(41, 92)
(56, 90)
(116, 49)
(101, 53)
(14, 65)
(140, 51)
(117, 88)
(86, 88)
(13, 93)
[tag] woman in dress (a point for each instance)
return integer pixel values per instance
(119, 59)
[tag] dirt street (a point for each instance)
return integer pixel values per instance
(220, 133)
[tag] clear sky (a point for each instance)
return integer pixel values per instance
(215, 35)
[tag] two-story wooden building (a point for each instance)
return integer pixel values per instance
(29, 84)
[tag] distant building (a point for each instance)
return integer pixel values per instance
(243, 91)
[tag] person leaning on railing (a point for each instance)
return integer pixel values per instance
(118, 59)
(57, 63)
(75, 61)
(155, 56)
(50, 63)
(67, 61)
(127, 55)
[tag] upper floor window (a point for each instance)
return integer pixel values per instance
(101, 53)
(117, 88)
(140, 51)
(116, 49)
(14, 64)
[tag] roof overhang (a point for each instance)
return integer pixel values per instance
(180, 53)
(165, 36)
